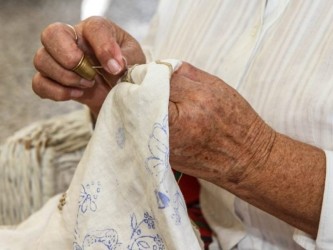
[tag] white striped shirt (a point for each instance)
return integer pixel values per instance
(279, 55)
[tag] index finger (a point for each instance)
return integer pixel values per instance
(105, 38)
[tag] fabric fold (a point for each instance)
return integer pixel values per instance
(124, 194)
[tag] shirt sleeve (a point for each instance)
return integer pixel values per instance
(325, 236)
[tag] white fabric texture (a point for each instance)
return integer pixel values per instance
(278, 55)
(123, 194)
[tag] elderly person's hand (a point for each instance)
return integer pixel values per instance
(103, 42)
(212, 126)
(217, 136)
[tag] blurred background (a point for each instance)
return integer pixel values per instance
(21, 24)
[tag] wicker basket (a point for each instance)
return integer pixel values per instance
(38, 162)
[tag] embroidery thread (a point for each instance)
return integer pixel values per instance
(141, 237)
(103, 239)
(157, 163)
(88, 197)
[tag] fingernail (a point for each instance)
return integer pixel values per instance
(84, 83)
(75, 93)
(113, 66)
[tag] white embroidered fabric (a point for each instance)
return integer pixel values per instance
(123, 194)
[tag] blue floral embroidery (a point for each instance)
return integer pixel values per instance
(158, 163)
(178, 202)
(87, 203)
(162, 199)
(120, 137)
(103, 239)
(141, 237)
(88, 197)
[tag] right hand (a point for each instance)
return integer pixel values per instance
(215, 134)
(102, 41)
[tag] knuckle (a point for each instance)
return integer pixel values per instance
(51, 30)
(71, 79)
(95, 22)
(181, 70)
(190, 69)
(44, 90)
(60, 95)
(38, 58)
(105, 49)
(37, 84)
(70, 60)
(56, 42)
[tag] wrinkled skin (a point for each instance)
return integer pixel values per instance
(206, 115)
(214, 133)
(209, 118)
(97, 38)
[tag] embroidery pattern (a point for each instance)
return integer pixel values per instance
(142, 231)
(158, 163)
(104, 239)
(141, 238)
(178, 202)
(162, 199)
(88, 197)
(87, 203)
